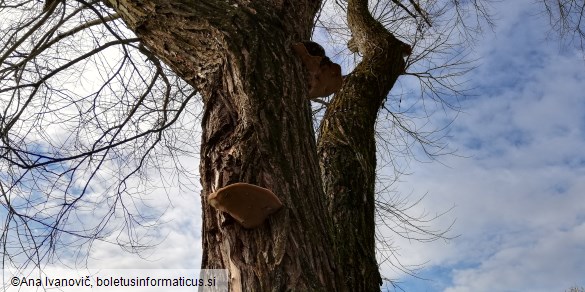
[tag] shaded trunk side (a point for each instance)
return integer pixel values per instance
(347, 146)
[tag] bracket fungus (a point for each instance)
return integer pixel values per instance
(248, 204)
(324, 76)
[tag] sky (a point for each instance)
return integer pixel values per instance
(517, 181)
(514, 187)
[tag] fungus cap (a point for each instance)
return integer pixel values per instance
(249, 204)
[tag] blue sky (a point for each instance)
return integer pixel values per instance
(518, 187)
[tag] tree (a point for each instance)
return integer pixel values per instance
(256, 121)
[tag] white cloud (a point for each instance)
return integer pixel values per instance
(519, 195)
(176, 237)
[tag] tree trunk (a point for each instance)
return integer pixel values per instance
(257, 129)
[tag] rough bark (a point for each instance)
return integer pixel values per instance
(256, 129)
(347, 147)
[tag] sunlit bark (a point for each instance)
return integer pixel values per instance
(256, 129)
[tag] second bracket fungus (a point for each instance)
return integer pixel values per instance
(324, 76)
